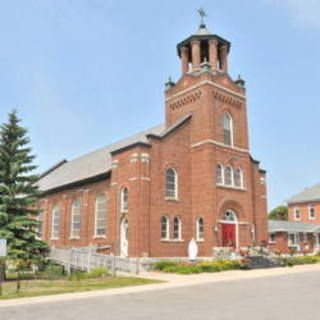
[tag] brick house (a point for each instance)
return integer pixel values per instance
(302, 231)
(191, 177)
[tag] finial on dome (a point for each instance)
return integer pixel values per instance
(169, 84)
(240, 82)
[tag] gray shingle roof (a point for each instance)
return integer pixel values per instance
(292, 226)
(308, 194)
(91, 164)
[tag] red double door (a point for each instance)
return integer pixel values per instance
(228, 235)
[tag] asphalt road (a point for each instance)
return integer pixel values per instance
(295, 296)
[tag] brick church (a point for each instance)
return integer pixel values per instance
(191, 177)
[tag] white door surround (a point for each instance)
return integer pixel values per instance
(124, 237)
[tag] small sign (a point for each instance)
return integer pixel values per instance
(3, 247)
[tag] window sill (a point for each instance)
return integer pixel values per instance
(172, 199)
(54, 239)
(231, 187)
(271, 242)
(172, 240)
(200, 240)
(74, 238)
(99, 237)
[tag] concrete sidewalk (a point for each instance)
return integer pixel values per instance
(173, 281)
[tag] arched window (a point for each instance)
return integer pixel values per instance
(177, 228)
(229, 176)
(100, 215)
(124, 200)
(164, 228)
(55, 222)
(227, 129)
(75, 219)
(199, 229)
(219, 174)
(238, 178)
(230, 216)
(171, 184)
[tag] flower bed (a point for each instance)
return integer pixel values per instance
(293, 261)
(206, 266)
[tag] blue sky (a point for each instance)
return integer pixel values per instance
(84, 73)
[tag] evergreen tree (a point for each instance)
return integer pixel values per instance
(18, 196)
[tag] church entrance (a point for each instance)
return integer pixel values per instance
(228, 235)
(124, 243)
(230, 229)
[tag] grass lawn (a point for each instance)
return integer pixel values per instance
(33, 288)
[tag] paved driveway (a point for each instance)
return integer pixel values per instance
(292, 296)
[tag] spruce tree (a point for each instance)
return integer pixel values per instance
(18, 196)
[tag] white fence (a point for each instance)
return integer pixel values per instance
(86, 259)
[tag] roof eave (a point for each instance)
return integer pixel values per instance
(96, 178)
(130, 146)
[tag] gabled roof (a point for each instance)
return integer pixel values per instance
(92, 164)
(292, 226)
(98, 163)
(308, 194)
(170, 129)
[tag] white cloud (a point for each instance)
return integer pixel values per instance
(303, 12)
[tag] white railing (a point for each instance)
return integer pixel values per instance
(86, 259)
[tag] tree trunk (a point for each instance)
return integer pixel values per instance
(18, 282)
(2, 269)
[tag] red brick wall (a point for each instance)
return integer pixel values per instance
(304, 212)
(193, 150)
(87, 195)
(281, 243)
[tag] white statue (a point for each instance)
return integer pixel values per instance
(192, 250)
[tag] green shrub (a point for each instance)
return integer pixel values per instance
(220, 265)
(100, 272)
(78, 276)
(207, 266)
(173, 269)
(293, 261)
(189, 269)
(52, 272)
(160, 265)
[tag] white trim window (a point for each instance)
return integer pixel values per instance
(220, 174)
(100, 216)
(124, 199)
(55, 222)
(177, 228)
(297, 214)
(229, 176)
(312, 212)
(75, 219)
(199, 229)
(293, 240)
(227, 124)
(238, 178)
(164, 228)
(171, 184)
(272, 237)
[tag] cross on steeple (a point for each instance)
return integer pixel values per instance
(202, 14)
